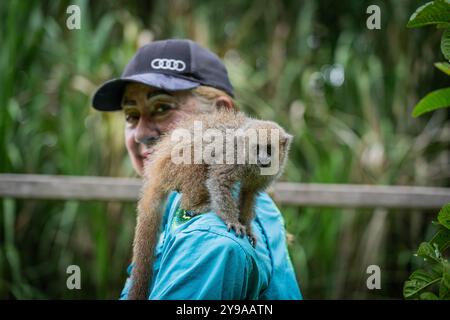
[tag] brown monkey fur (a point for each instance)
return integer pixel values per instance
(204, 187)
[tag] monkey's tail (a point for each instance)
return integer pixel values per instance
(145, 238)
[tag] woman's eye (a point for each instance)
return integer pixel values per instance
(162, 108)
(131, 118)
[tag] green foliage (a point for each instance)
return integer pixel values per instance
(444, 217)
(433, 280)
(433, 12)
(443, 66)
(436, 12)
(445, 43)
(432, 101)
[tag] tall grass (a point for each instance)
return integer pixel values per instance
(280, 55)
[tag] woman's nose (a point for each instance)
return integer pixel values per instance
(147, 133)
(148, 140)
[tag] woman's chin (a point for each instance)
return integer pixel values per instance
(138, 165)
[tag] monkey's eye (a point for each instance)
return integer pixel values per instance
(266, 148)
(269, 150)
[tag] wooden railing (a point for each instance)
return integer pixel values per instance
(27, 186)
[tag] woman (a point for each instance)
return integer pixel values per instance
(196, 258)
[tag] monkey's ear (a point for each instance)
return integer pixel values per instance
(287, 139)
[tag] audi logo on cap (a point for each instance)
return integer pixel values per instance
(168, 64)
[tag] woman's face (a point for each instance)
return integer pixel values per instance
(149, 112)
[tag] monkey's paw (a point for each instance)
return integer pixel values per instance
(237, 227)
(252, 239)
(241, 231)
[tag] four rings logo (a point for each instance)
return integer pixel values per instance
(170, 64)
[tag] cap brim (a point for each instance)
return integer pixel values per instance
(109, 96)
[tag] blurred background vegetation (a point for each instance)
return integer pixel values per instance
(344, 91)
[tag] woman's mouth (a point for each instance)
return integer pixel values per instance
(145, 155)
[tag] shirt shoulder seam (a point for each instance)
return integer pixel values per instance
(225, 235)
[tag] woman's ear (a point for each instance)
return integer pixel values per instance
(224, 102)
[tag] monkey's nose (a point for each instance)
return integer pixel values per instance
(264, 164)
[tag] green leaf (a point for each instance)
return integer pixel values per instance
(418, 281)
(443, 66)
(443, 25)
(445, 44)
(427, 251)
(435, 12)
(444, 216)
(441, 239)
(428, 296)
(432, 101)
(444, 288)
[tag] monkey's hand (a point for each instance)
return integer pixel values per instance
(241, 231)
(251, 236)
(237, 227)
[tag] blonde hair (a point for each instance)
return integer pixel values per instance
(207, 95)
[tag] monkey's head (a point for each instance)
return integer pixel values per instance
(268, 145)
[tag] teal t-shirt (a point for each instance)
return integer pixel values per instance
(198, 259)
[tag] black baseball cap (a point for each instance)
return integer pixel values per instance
(170, 65)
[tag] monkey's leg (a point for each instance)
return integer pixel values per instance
(247, 211)
(220, 184)
(195, 200)
(145, 239)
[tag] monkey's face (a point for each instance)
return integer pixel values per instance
(150, 112)
(263, 155)
(271, 147)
